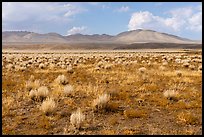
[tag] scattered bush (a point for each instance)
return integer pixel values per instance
(29, 85)
(192, 67)
(178, 73)
(70, 69)
(41, 66)
(171, 94)
(61, 79)
(142, 70)
(101, 102)
(33, 94)
(200, 68)
(42, 92)
(10, 66)
(77, 118)
(48, 106)
(68, 89)
(36, 84)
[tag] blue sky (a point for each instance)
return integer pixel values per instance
(179, 18)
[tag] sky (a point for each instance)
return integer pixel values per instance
(183, 19)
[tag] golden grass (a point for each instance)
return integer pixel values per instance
(134, 113)
(135, 99)
(187, 118)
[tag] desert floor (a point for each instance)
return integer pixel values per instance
(148, 93)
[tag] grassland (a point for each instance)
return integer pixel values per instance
(120, 93)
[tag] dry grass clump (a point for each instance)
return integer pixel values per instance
(187, 118)
(142, 70)
(39, 94)
(31, 84)
(32, 78)
(32, 94)
(132, 113)
(36, 84)
(48, 106)
(61, 79)
(101, 102)
(7, 102)
(171, 94)
(77, 119)
(68, 89)
(192, 67)
(42, 92)
(10, 66)
(165, 63)
(108, 66)
(41, 66)
(70, 69)
(200, 68)
(178, 60)
(186, 65)
(179, 73)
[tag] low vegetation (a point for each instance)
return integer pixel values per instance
(119, 93)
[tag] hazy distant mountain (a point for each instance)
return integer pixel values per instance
(149, 36)
(128, 37)
(76, 38)
(30, 37)
(126, 40)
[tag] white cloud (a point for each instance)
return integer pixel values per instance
(19, 14)
(181, 12)
(75, 30)
(123, 9)
(179, 19)
(195, 21)
(144, 20)
(72, 10)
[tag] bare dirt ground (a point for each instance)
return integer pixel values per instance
(150, 92)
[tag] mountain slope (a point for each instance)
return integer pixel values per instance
(148, 36)
(128, 37)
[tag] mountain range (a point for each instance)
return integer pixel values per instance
(125, 39)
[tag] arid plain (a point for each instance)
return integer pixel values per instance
(116, 92)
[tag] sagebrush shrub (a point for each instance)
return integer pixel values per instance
(61, 79)
(29, 85)
(77, 118)
(68, 89)
(200, 68)
(48, 106)
(41, 66)
(171, 94)
(179, 73)
(101, 101)
(142, 70)
(70, 69)
(33, 93)
(42, 92)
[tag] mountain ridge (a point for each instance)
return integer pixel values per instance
(126, 37)
(135, 39)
